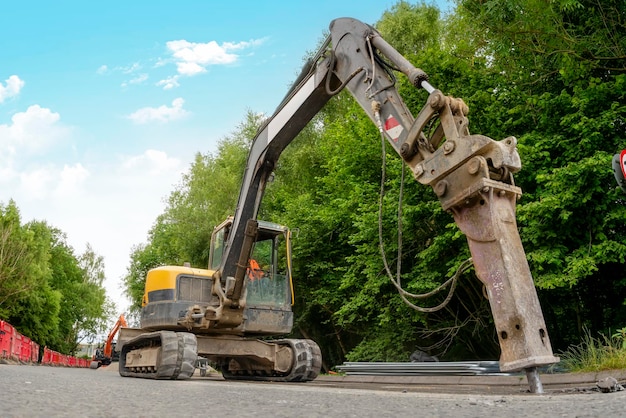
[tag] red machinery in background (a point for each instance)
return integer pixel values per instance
(104, 356)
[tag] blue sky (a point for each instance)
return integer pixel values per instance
(103, 104)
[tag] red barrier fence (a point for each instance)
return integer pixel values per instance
(6, 339)
(21, 347)
(18, 347)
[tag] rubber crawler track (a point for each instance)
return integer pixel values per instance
(306, 366)
(177, 358)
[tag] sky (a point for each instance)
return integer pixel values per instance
(104, 104)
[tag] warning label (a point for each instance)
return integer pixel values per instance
(393, 128)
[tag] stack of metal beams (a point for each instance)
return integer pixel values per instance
(441, 368)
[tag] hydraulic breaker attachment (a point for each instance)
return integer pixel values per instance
(488, 221)
(472, 176)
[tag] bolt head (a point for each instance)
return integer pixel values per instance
(448, 147)
(441, 187)
(474, 165)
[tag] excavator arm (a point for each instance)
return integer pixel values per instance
(103, 357)
(472, 175)
(108, 346)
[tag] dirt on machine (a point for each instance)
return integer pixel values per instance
(236, 312)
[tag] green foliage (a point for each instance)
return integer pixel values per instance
(16, 262)
(545, 41)
(28, 302)
(595, 354)
(411, 28)
(561, 90)
(620, 337)
(46, 292)
(389, 343)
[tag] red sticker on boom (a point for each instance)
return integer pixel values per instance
(393, 128)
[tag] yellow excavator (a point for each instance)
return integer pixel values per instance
(234, 312)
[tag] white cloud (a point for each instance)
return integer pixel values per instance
(33, 130)
(192, 58)
(190, 68)
(36, 183)
(152, 161)
(243, 45)
(7, 171)
(137, 80)
(160, 114)
(160, 62)
(70, 179)
(30, 133)
(169, 83)
(13, 86)
(131, 68)
(49, 182)
(128, 69)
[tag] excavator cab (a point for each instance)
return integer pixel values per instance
(182, 297)
(268, 279)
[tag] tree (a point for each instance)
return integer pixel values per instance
(15, 258)
(539, 41)
(94, 308)
(565, 68)
(411, 28)
(35, 312)
(44, 291)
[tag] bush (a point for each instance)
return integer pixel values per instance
(596, 354)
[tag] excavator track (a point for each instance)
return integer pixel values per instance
(307, 363)
(159, 355)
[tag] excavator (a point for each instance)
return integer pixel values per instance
(104, 356)
(235, 319)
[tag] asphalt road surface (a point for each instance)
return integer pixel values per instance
(41, 391)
